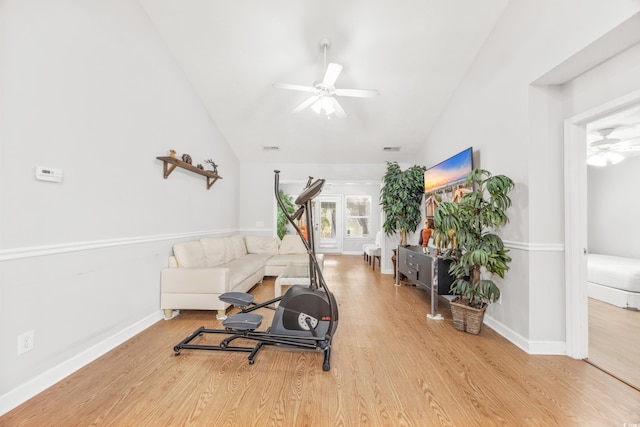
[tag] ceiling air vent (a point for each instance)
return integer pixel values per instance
(390, 148)
(270, 148)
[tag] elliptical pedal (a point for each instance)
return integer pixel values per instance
(239, 299)
(243, 321)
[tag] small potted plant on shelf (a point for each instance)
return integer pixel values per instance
(465, 230)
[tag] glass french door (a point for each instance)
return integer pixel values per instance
(328, 218)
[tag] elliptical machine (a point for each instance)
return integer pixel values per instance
(306, 316)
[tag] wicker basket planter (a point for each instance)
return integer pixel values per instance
(466, 318)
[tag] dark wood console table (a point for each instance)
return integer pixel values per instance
(427, 270)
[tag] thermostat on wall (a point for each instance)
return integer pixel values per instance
(48, 174)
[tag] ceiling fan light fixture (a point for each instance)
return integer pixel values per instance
(323, 104)
(317, 106)
(605, 159)
(327, 106)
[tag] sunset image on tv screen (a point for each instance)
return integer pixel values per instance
(452, 171)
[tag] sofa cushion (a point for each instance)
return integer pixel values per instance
(214, 250)
(244, 267)
(229, 252)
(287, 259)
(291, 244)
(262, 245)
(239, 249)
(190, 254)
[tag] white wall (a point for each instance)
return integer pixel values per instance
(89, 87)
(614, 209)
(516, 129)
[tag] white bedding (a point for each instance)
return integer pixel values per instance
(615, 272)
(614, 280)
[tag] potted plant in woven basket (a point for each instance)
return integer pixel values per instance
(466, 232)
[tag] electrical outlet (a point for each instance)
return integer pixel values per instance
(25, 342)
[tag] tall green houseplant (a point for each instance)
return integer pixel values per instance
(467, 230)
(401, 199)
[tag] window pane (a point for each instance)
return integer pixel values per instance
(327, 220)
(357, 227)
(358, 216)
(358, 206)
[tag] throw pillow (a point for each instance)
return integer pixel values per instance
(214, 250)
(291, 244)
(238, 245)
(262, 245)
(190, 254)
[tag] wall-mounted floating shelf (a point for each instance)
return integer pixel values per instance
(211, 177)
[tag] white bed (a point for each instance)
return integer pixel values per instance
(614, 280)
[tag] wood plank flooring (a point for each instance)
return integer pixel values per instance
(614, 344)
(390, 366)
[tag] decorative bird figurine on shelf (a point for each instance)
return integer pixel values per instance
(213, 166)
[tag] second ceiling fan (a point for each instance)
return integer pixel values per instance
(324, 92)
(609, 151)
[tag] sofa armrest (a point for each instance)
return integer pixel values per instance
(194, 280)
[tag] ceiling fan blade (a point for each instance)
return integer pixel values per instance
(358, 93)
(305, 104)
(295, 87)
(631, 144)
(339, 110)
(333, 71)
(625, 148)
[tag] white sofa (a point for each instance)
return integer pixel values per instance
(201, 270)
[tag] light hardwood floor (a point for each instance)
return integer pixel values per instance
(390, 366)
(614, 341)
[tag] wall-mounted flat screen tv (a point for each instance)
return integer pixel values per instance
(450, 172)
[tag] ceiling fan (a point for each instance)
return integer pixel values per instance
(609, 151)
(324, 92)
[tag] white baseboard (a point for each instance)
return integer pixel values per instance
(26, 391)
(529, 347)
(554, 348)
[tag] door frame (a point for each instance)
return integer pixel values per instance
(576, 233)
(339, 199)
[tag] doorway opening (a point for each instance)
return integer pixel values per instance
(592, 325)
(329, 224)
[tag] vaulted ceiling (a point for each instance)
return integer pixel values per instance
(414, 52)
